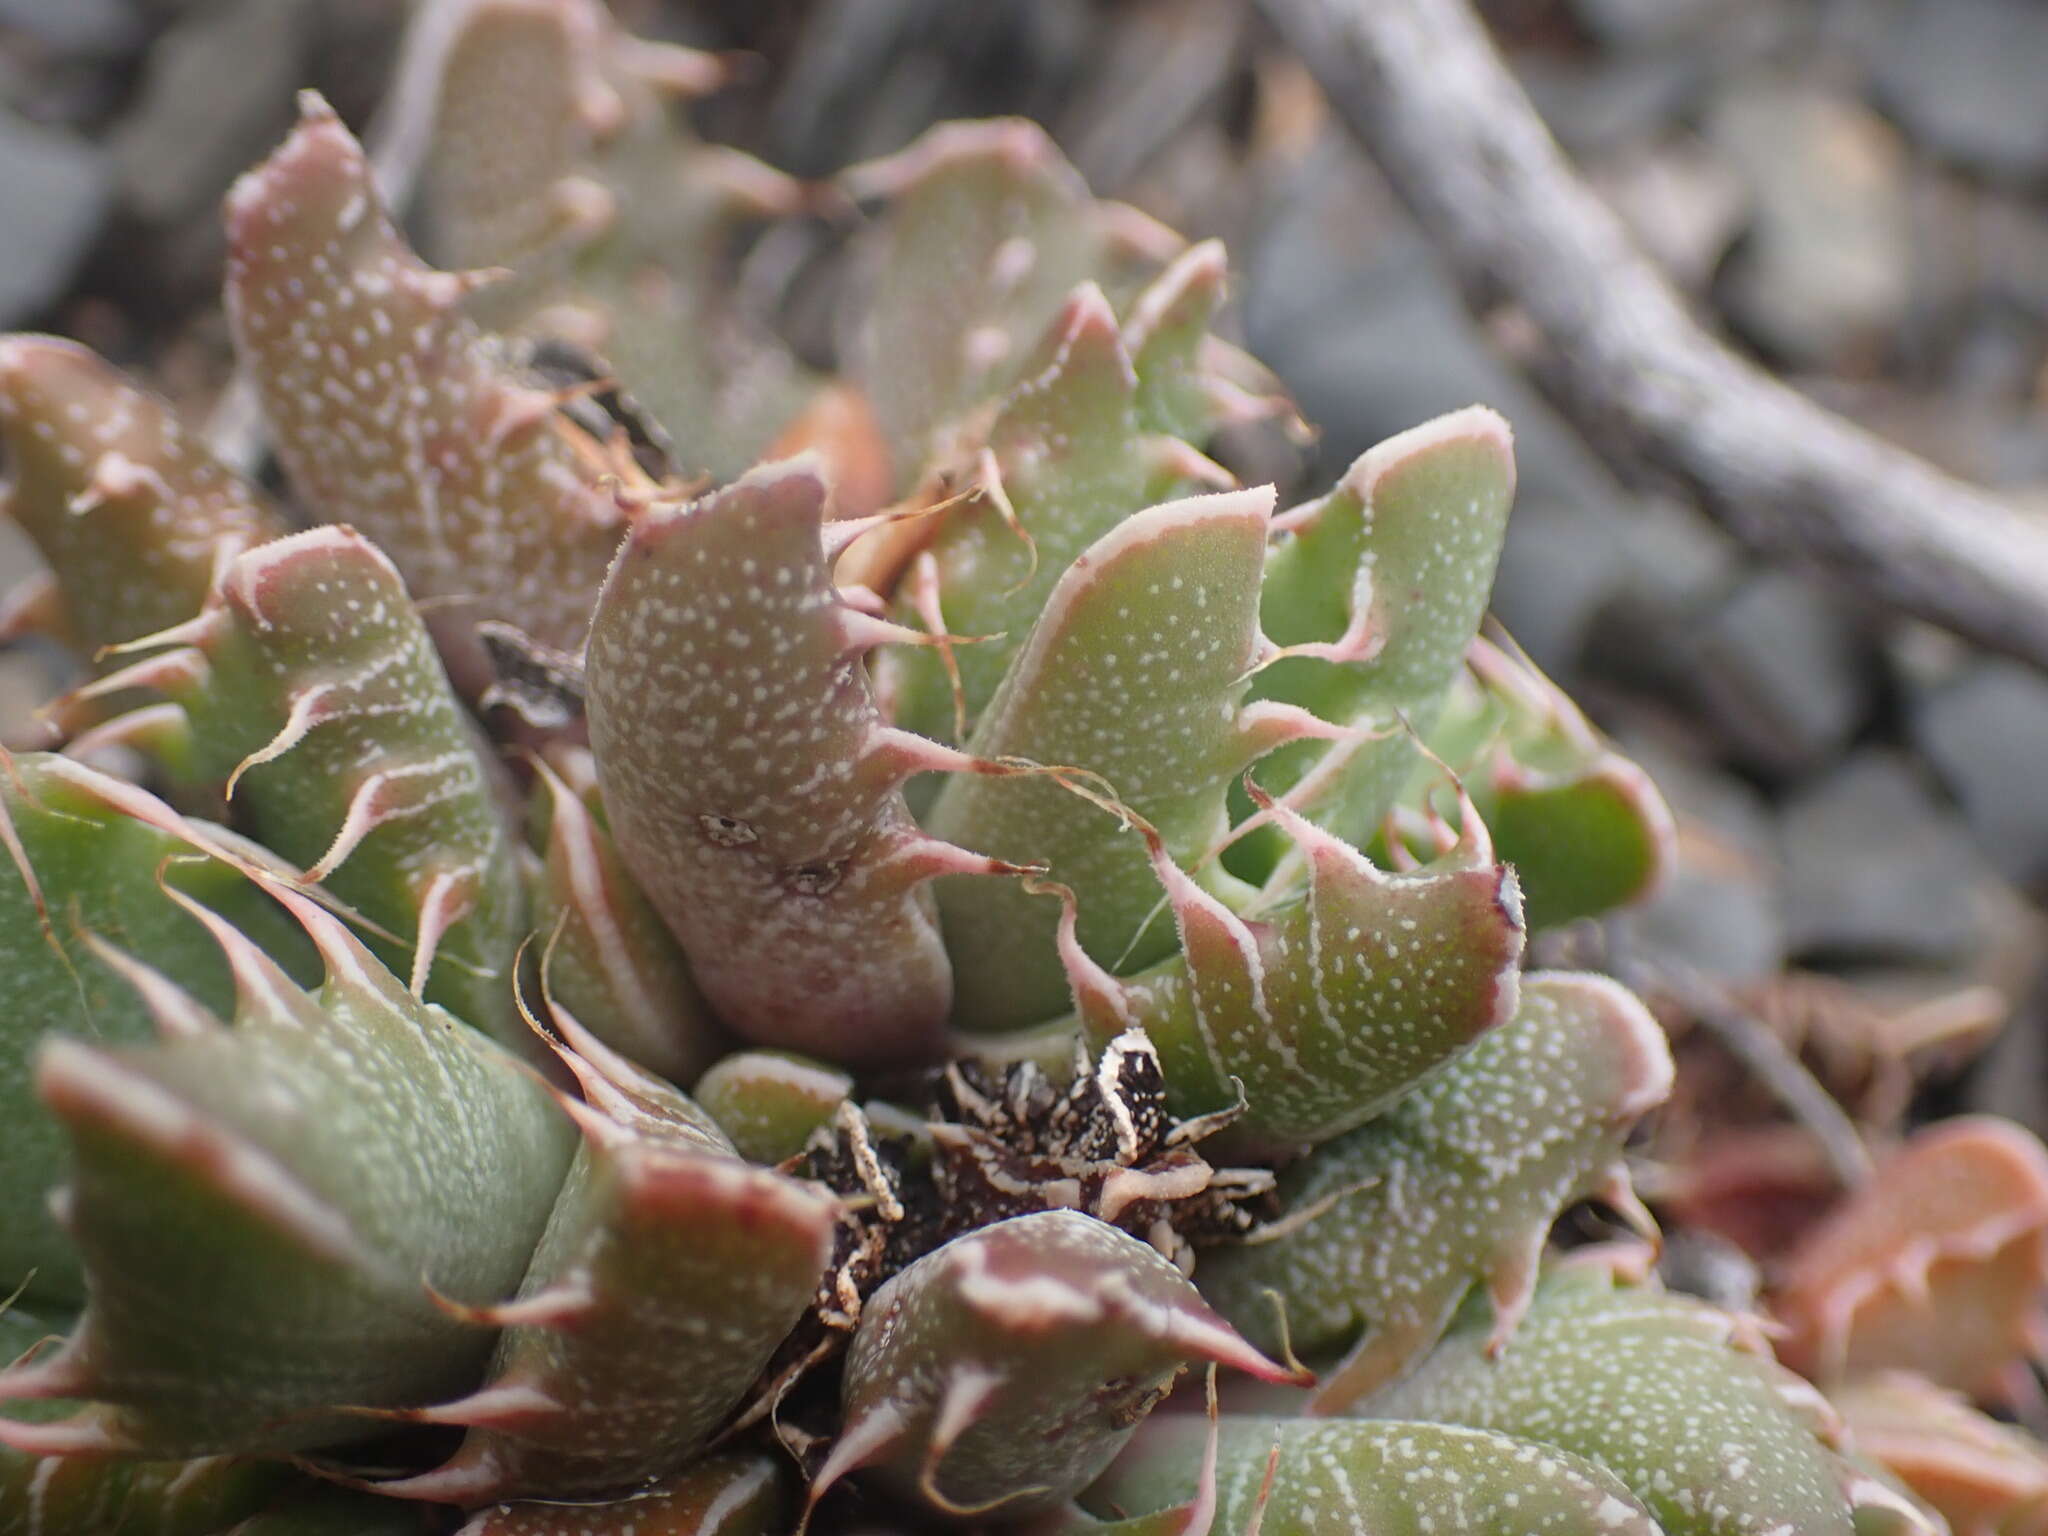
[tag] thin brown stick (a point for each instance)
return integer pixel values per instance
(1422, 88)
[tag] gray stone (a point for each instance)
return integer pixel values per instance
(1674, 567)
(55, 192)
(1611, 102)
(1682, 203)
(1353, 310)
(1878, 870)
(1780, 673)
(1986, 732)
(1825, 272)
(75, 27)
(215, 98)
(1964, 77)
(1718, 911)
(1662, 23)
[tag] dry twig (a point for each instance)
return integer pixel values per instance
(1421, 86)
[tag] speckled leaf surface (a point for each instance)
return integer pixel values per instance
(1583, 825)
(1715, 1442)
(737, 1495)
(1329, 1007)
(1393, 566)
(1184, 391)
(606, 955)
(1346, 1478)
(668, 1273)
(754, 790)
(556, 152)
(392, 412)
(987, 229)
(1457, 1186)
(261, 1209)
(130, 512)
(89, 865)
(1135, 672)
(338, 1512)
(1005, 1369)
(769, 1102)
(1067, 458)
(311, 688)
(94, 1495)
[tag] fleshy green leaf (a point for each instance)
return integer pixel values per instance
(1329, 1007)
(81, 865)
(131, 514)
(770, 1102)
(94, 1495)
(263, 1210)
(390, 411)
(987, 230)
(1066, 460)
(1134, 672)
(1389, 573)
(1004, 1370)
(1583, 825)
(1714, 1441)
(557, 153)
(751, 785)
(311, 689)
(668, 1273)
(607, 957)
(1456, 1186)
(736, 1495)
(1936, 1266)
(1346, 1478)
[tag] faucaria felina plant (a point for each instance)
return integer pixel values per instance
(1085, 901)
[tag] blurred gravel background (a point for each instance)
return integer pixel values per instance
(1856, 189)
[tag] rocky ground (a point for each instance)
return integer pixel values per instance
(1852, 188)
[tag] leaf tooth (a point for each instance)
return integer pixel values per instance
(449, 897)
(866, 1437)
(861, 632)
(116, 477)
(83, 1084)
(262, 989)
(1189, 290)
(471, 1477)
(1617, 1191)
(1101, 999)
(918, 857)
(1511, 1284)
(350, 966)
(178, 672)
(1266, 724)
(60, 1372)
(310, 706)
(177, 1014)
(33, 606)
(383, 797)
(83, 1434)
(508, 410)
(446, 290)
(506, 1404)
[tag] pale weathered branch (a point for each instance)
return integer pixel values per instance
(1421, 86)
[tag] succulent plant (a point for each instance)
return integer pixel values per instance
(815, 992)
